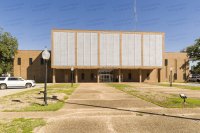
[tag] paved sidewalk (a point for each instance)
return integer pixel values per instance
(100, 108)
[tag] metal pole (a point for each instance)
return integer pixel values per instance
(171, 79)
(72, 78)
(45, 89)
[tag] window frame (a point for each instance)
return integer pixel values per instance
(41, 61)
(19, 61)
(30, 61)
(92, 76)
(82, 76)
(129, 75)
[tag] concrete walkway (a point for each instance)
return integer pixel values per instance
(100, 108)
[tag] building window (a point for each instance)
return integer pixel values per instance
(30, 61)
(92, 76)
(175, 76)
(41, 61)
(82, 76)
(184, 76)
(19, 61)
(148, 76)
(129, 76)
(166, 62)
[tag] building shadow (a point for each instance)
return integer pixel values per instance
(36, 70)
(185, 67)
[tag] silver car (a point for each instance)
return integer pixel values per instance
(195, 78)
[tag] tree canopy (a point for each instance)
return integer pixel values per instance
(194, 55)
(8, 48)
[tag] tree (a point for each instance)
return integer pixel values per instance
(194, 55)
(8, 48)
(195, 69)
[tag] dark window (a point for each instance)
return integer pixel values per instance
(129, 76)
(42, 61)
(71, 76)
(1, 79)
(92, 76)
(166, 62)
(175, 76)
(82, 76)
(148, 76)
(19, 61)
(12, 78)
(184, 76)
(30, 61)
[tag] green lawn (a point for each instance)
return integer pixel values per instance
(178, 86)
(20, 125)
(63, 86)
(159, 98)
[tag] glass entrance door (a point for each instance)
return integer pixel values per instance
(105, 77)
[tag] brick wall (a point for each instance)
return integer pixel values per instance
(35, 71)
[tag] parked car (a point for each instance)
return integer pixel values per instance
(15, 82)
(195, 78)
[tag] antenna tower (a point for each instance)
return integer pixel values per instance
(135, 15)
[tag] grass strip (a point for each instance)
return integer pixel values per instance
(62, 86)
(22, 93)
(21, 125)
(174, 101)
(178, 86)
(39, 107)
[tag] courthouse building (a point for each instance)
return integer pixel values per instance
(104, 56)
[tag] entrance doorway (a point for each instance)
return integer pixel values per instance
(66, 78)
(105, 77)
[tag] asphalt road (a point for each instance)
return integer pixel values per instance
(97, 108)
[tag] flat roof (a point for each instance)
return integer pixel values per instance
(151, 32)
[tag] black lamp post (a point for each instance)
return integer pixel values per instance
(171, 76)
(45, 56)
(72, 69)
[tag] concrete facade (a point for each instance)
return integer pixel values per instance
(128, 56)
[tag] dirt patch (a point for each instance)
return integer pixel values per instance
(158, 97)
(24, 99)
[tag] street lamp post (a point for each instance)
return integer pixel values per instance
(72, 69)
(171, 76)
(45, 56)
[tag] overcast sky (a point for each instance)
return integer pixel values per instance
(31, 21)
